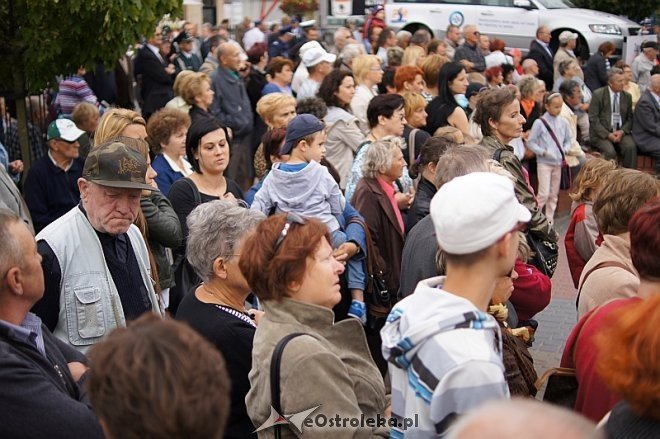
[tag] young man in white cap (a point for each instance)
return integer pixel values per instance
(444, 349)
(319, 65)
(51, 186)
(567, 43)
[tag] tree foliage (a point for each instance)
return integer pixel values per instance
(45, 38)
(634, 9)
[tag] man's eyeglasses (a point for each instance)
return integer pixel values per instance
(291, 218)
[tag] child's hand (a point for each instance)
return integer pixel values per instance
(345, 251)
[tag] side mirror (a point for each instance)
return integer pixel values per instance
(525, 4)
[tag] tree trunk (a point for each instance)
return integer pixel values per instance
(21, 117)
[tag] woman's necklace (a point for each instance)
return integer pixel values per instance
(228, 308)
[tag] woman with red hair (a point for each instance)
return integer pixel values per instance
(494, 77)
(409, 78)
(623, 364)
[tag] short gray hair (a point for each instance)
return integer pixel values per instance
(379, 155)
(612, 72)
(460, 160)
(9, 246)
(527, 85)
(214, 229)
(352, 51)
(403, 35)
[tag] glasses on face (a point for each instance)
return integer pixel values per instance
(291, 218)
(376, 69)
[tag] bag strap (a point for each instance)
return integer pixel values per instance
(193, 186)
(497, 155)
(411, 146)
(554, 137)
(603, 264)
(560, 371)
(275, 363)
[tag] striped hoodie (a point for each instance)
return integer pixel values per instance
(445, 359)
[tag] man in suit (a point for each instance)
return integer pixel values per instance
(541, 52)
(157, 75)
(646, 126)
(611, 120)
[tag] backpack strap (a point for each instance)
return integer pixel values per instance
(603, 264)
(275, 363)
(497, 155)
(554, 137)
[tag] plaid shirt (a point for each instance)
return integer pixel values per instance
(35, 138)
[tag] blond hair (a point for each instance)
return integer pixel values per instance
(192, 86)
(83, 112)
(180, 79)
(361, 66)
(413, 56)
(413, 102)
(269, 104)
(114, 121)
(590, 178)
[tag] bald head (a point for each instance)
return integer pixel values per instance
(471, 33)
(543, 34)
(530, 67)
(523, 418)
(655, 83)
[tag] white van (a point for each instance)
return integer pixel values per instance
(514, 21)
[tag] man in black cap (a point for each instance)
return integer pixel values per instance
(95, 261)
(281, 46)
(186, 59)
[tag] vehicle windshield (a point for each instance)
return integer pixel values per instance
(556, 4)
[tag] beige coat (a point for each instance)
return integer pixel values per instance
(563, 55)
(332, 368)
(608, 283)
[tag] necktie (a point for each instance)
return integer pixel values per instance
(616, 117)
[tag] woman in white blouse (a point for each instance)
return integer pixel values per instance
(367, 72)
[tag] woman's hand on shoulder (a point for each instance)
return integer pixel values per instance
(256, 315)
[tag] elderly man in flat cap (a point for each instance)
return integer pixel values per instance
(95, 261)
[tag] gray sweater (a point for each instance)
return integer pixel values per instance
(310, 192)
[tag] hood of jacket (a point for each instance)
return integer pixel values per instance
(427, 312)
(296, 187)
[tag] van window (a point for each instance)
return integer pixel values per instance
(557, 4)
(447, 2)
(501, 3)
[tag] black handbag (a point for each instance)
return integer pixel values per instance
(562, 386)
(377, 294)
(566, 175)
(545, 253)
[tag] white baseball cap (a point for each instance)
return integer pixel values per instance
(309, 45)
(567, 36)
(63, 129)
(473, 211)
(317, 55)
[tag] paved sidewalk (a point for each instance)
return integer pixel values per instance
(558, 319)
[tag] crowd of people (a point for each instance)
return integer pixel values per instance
(271, 226)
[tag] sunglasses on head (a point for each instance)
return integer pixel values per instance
(291, 218)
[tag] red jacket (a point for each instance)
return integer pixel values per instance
(531, 291)
(582, 238)
(594, 399)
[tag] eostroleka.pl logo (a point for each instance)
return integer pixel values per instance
(323, 421)
(295, 419)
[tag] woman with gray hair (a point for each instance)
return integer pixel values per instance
(217, 307)
(374, 199)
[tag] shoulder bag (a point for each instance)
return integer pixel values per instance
(544, 252)
(377, 296)
(566, 176)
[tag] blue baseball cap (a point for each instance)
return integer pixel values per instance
(300, 126)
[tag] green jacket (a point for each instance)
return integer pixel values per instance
(539, 223)
(164, 232)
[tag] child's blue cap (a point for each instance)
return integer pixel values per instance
(300, 126)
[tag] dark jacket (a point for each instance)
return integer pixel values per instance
(164, 231)
(595, 72)
(472, 54)
(373, 204)
(191, 62)
(50, 192)
(544, 61)
(646, 129)
(156, 83)
(421, 206)
(418, 257)
(600, 113)
(231, 104)
(39, 396)
(539, 223)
